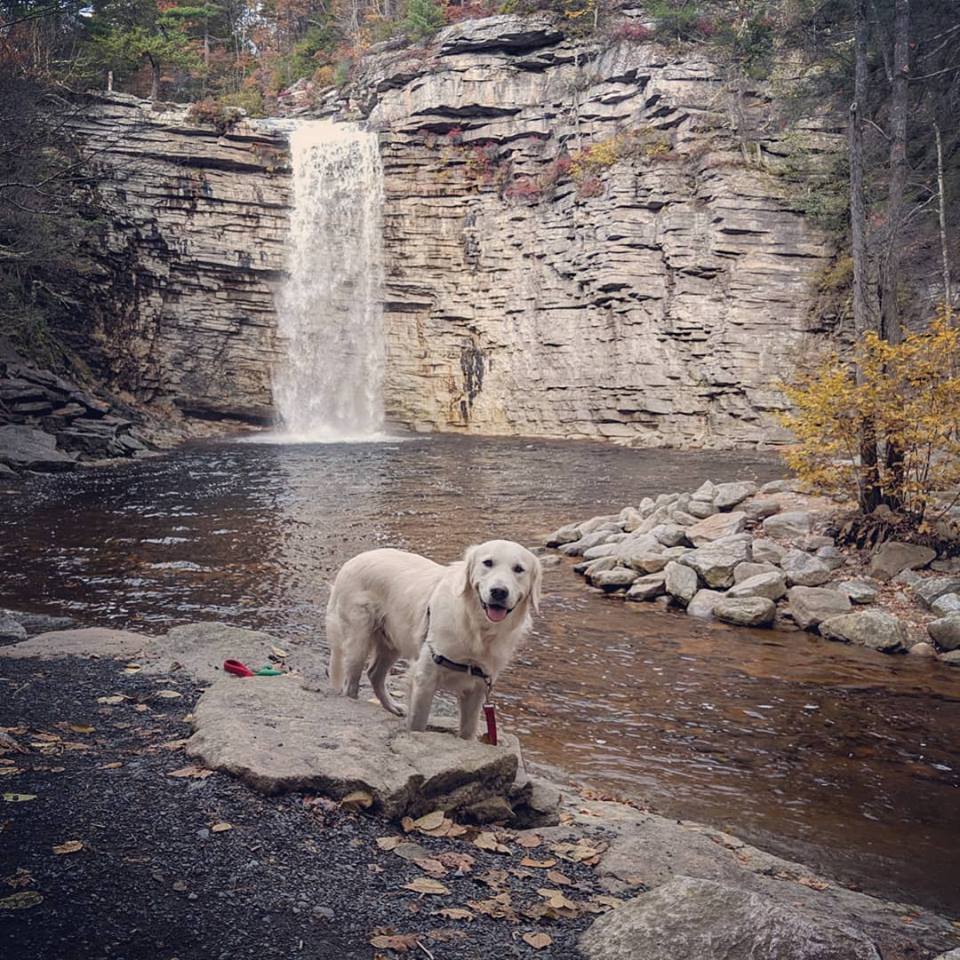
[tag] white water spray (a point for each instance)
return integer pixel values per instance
(330, 310)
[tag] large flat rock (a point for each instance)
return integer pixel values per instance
(89, 642)
(276, 735)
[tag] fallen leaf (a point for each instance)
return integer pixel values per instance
(555, 876)
(132, 668)
(111, 766)
(22, 878)
(497, 908)
(70, 846)
(406, 824)
(537, 940)
(49, 737)
(141, 708)
(80, 728)
(430, 821)
(191, 770)
(279, 653)
(529, 840)
(388, 843)
(495, 878)
(19, 797)
(400, 942)
(221, 827)
(539, 864)
(814, 883)
(489, 841)
(10, 771)
(429, 865)
(112, 699)
(426, 885)
(608, 901)
(21, 901)
(168, 695)
(579, 852)
(461, 862)
(173, 744)
(358, 800)
(455, 913)
(556, 899)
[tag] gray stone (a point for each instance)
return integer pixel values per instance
(777, 486)
(946, 631)
(894, 556)
(715, 563)
(747, 569)
(88, 643)
(811, 605)
(789, 525)
(750, 611)
(590, 567)
(772, 586)
(680, 581)
(35, 623)
(648, 587)
(931, 589)
(705, 492)
(700, 509)
(648, 562)
(26, 448)
(11, 631)
(617, 578)
(831, 557)
(669, 534)
(761, 509)
(535, 802)
(906, 578)
(767, 551)
(716, 527)
(694, 919)
(869, 628)
(601, 550)
(804, 570)
(949, 955)
(277, 736)
(728, 495)
(682, 518)
(945, 605)
(568, 534)
(702, 604)
(815, 542)
(630, 518)
(951, 659)
(859, 591)
(923, 649)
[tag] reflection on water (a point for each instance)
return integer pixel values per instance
(842, 757)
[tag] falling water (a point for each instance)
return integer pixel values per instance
(330, 310)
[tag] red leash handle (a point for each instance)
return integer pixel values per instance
(490, 714)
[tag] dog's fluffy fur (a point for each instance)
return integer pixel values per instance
(479, 610)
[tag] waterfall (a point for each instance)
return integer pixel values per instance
(330, 311)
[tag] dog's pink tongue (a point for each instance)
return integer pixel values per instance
(496, 614)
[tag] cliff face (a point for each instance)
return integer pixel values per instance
(195, 246)
(655, 299)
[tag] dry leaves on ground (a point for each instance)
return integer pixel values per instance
(538, 864)
(80, 728)
(499, 907)
(358, 800)
(21, 901)
(529, 840)
(168, 695)
(114, 698)
(427, 886)
(537, 940)
(10, 771)
(22, 878)
(489, 841)
(389, 843)
(18, 797)
(221, 827)
(582, 851)
(455, 913)
(69, 846)
(192, 771)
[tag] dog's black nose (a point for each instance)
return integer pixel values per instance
(499, 595)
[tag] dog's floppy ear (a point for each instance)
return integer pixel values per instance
(469, 559)
(536, 574)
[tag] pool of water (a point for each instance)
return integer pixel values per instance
(838, 756)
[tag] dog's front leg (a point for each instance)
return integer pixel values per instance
(423, 686)
(470, 703)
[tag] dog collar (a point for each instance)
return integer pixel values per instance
(442, 661)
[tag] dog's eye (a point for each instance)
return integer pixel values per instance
(488, 563)
(517, 568)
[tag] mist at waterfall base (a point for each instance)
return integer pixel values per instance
(329, 386)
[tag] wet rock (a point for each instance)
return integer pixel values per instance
(894, 556)
(648, 587)
(859, 591)
(931, 589)
(789, 525)
(767, 551)
(752, 611)
(26, 448)
(276, 736)
(694, 919)
(715, 563)
(747, 569)
(617, 578)
(869, 628)
(715, 528)
(680, 581)
(11, 631)
(90, 642)
(702, 604)
(728, 495)
(811, 605)
(946, 631)
(771, 585)
(804, 570)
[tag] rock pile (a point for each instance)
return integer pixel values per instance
(757, 557)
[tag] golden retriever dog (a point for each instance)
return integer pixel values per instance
(456, 625)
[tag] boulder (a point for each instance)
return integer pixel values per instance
(716, 527)
(894, 556)
(804, 570)
(772, 586)
(682, 518)
(91, 642)
(869, 628)
(946, 631)
(767, 551)
(830, 556)
(630, 518)
(923, 649)
(702, 604)
(728, 495)
(715, 562)
(26, 448)
(649, 562)
(277, 736)
(601, 550)
(35, 623)
(930, 589)
(859, 591)
(789, 525)
(906, 578)
(777, 486)
(700, 509)
(617, 578)
(811, 605)
(590, 567)
(680, 581)
(761, 509)
(747, 569)
(568, 534)
(648, 587)
(750, 611)
(951, 659)
(669, 534)
(694, 919)
(945, 605)
(11, 631)
(705, 492)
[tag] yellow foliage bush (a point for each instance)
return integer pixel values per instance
(908, 398)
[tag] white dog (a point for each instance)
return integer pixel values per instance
(458, 625)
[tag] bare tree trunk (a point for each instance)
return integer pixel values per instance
(944, 248)
(862, 316)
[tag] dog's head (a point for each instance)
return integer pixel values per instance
(505, 578)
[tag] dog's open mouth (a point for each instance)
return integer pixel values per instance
(495, 612)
